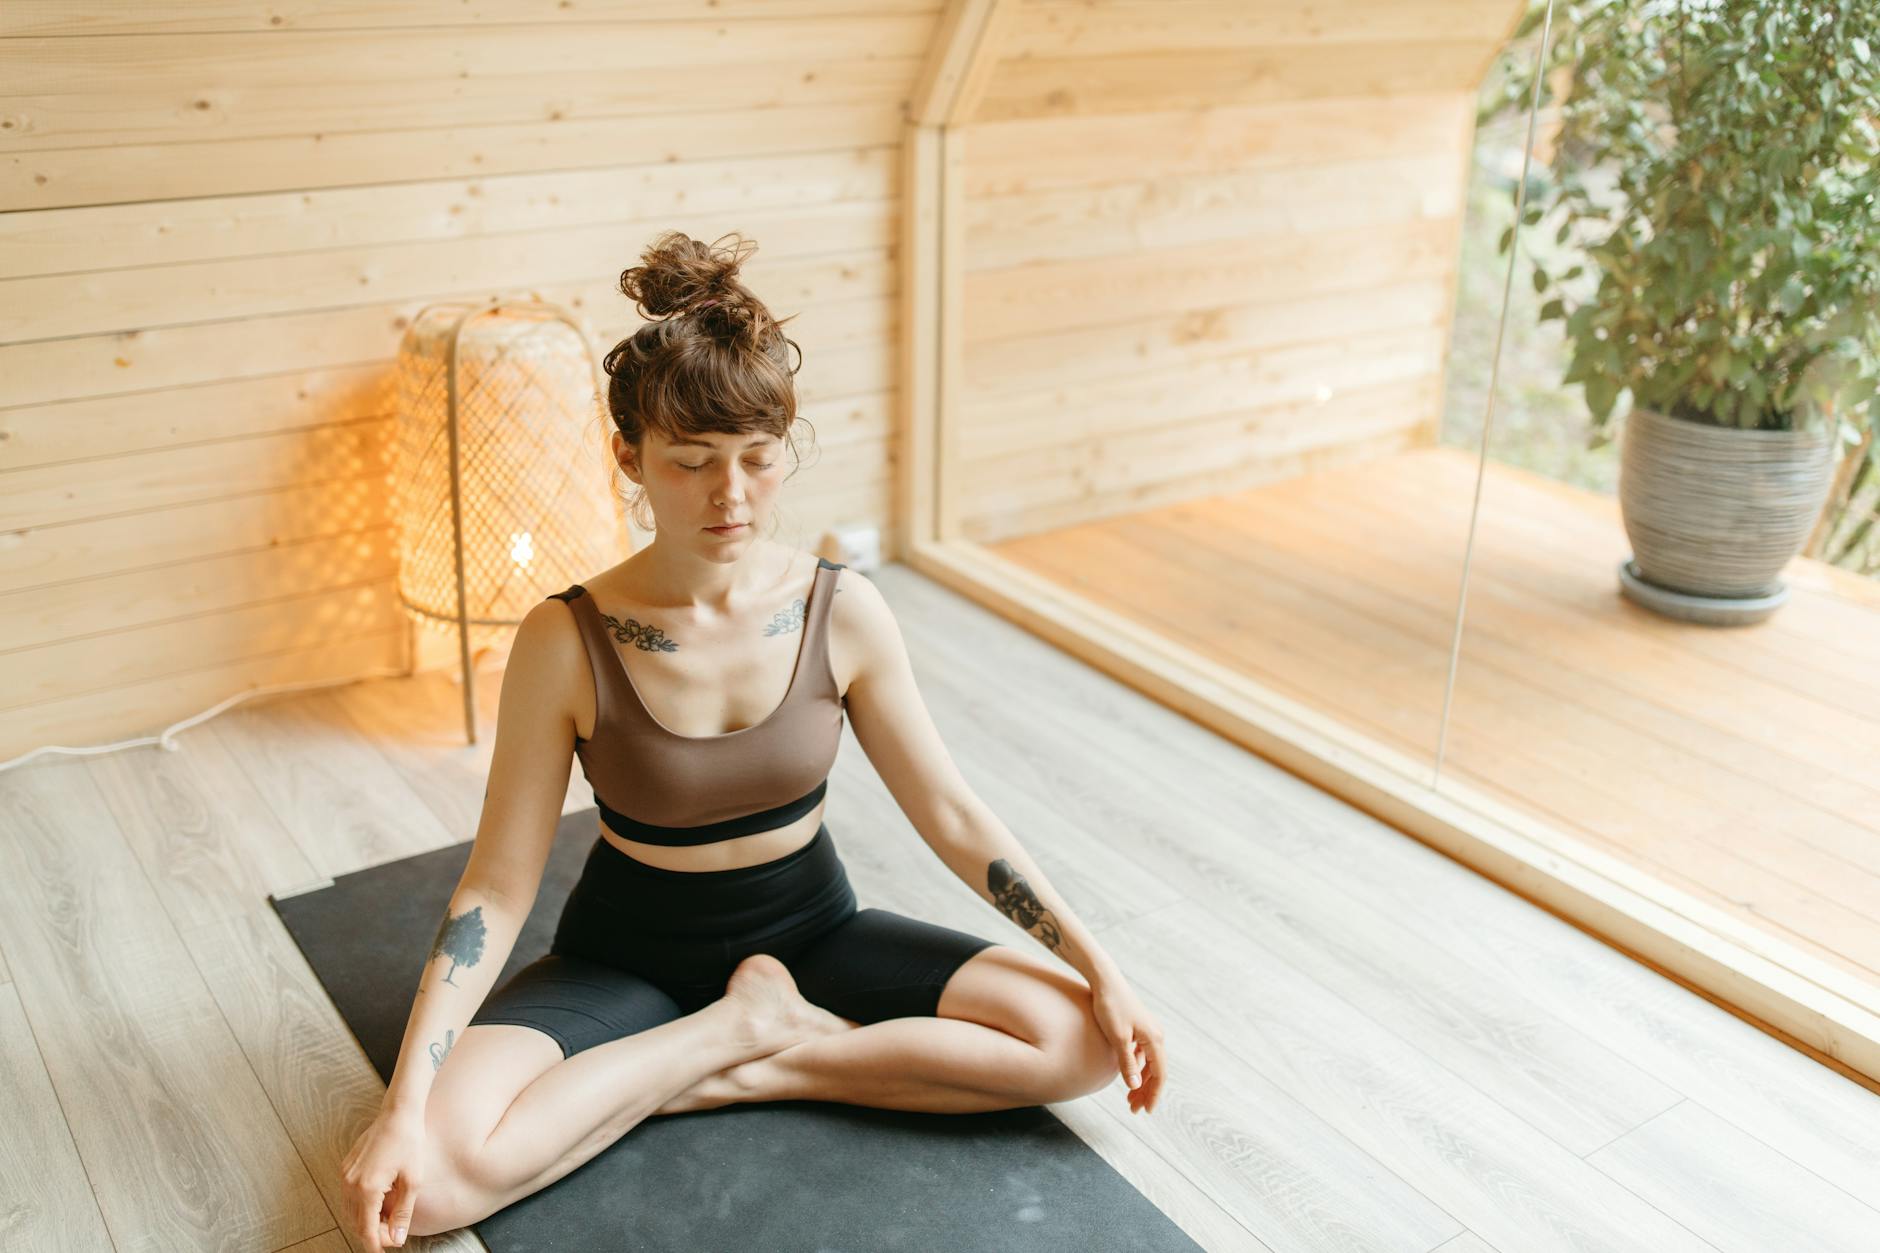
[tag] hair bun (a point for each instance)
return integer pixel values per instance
(680, 274)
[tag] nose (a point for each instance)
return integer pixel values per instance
(727, 490)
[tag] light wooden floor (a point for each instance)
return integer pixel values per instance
(1741, 764)
(1371, 1047)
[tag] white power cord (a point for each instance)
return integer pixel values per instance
(165, 739)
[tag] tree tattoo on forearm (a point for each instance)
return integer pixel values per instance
(460, 939)
(1015, 899)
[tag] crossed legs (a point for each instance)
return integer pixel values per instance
(507, 1115)
(1011, 1031)
(515, 1116)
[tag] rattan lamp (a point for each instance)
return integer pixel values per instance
(498, 495)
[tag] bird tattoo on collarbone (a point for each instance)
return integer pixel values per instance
(1015, 899)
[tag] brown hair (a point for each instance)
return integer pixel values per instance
(709, 359)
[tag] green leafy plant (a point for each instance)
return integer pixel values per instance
(1738, 247)
(1719, 161)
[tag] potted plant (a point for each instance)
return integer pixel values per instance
(1721, 163)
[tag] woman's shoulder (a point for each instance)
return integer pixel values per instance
(862, 625)
(548, 657)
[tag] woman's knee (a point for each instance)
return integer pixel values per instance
(481, 1077)
(449, 1194)
(466, 1182)
(1043, 1005)
(480, 1080)
(1083, 1059)
(437, 1212)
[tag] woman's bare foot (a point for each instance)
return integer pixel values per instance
(773, 1016)
(773, 1013)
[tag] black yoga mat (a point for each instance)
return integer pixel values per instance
(775, 1176)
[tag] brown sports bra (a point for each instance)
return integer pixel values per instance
(659, 787)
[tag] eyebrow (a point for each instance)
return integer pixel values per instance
(699, 443)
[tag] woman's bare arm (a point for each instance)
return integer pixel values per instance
(482, 928)
(895, 729)
(528, 781)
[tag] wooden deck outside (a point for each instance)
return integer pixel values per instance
(1738, 764)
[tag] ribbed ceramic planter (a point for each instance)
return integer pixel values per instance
(1714, 513)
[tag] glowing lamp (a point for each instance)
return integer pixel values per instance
(499, 495)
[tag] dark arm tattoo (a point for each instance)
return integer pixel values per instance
(461, 940)
(1015, 899)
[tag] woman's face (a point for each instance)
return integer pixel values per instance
(703, 481)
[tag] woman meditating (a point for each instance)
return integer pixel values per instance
(712, 950)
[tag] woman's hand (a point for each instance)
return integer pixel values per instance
(381, 1177)
(1132, 1031)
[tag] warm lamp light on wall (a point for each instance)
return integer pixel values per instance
(499, 496)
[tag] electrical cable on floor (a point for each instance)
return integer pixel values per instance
(165, 739)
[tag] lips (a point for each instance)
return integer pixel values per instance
(729, 526)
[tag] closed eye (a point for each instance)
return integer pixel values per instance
(760, 465)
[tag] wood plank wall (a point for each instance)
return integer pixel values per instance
(1206, 245)
(216, 218)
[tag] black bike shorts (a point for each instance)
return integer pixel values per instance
(639, 945)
